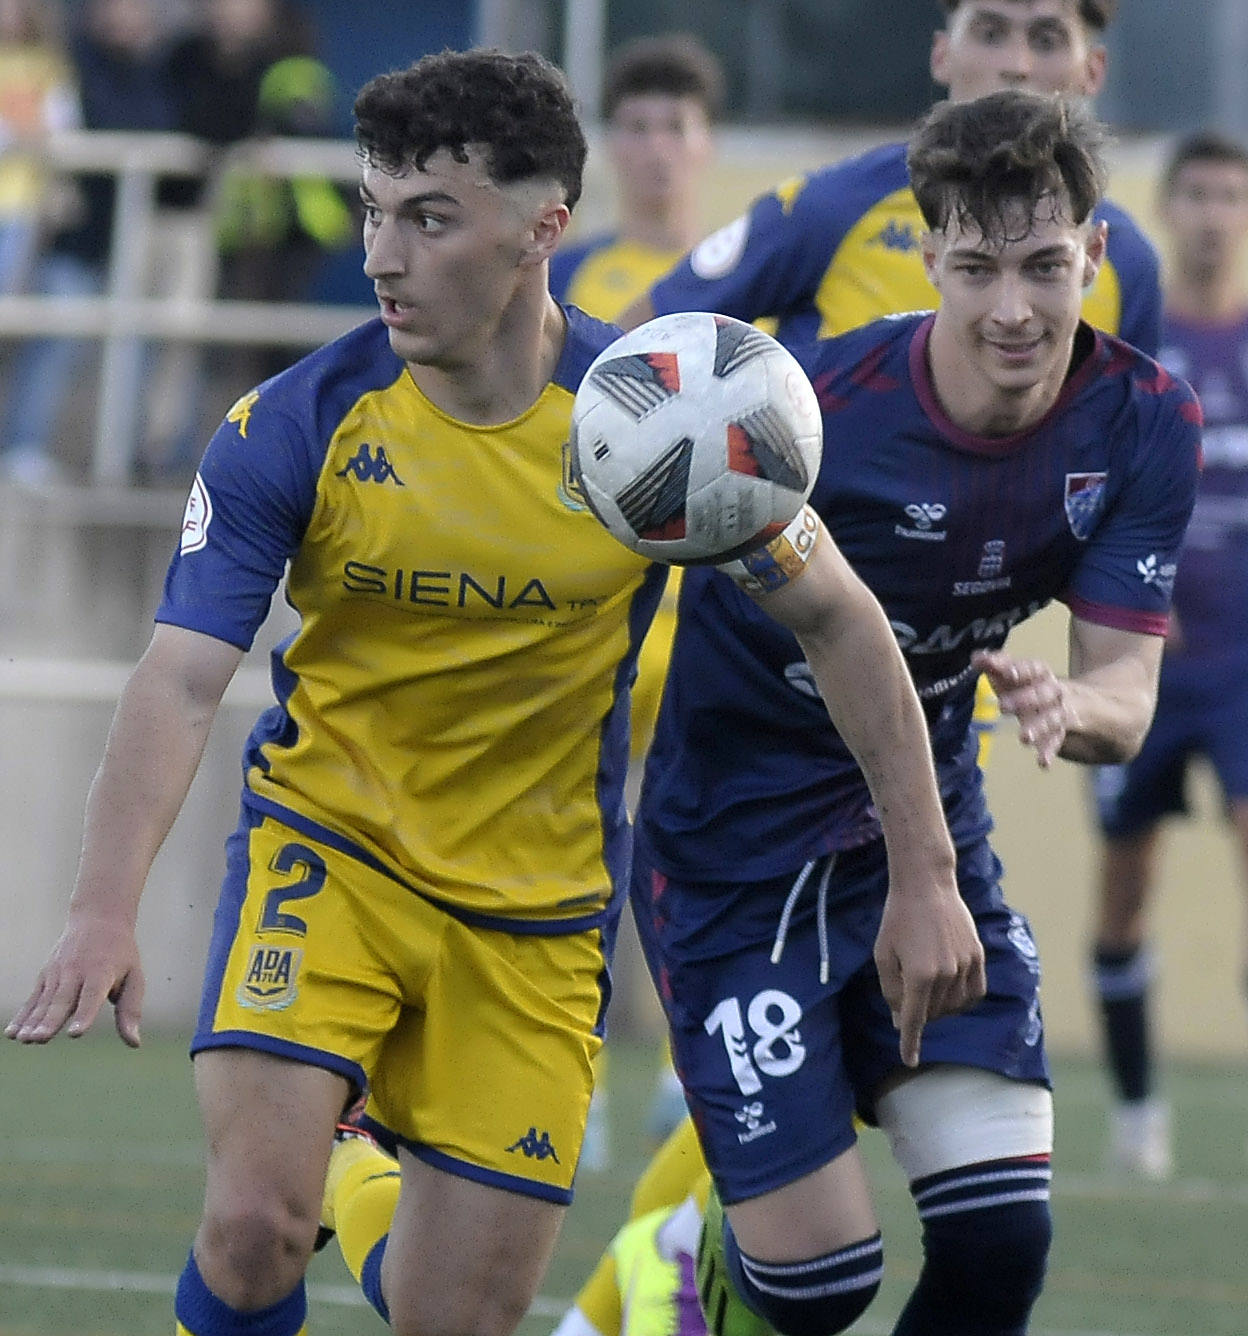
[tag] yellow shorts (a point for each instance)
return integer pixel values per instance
(476, 1044)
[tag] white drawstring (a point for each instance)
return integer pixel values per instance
(782, 931)
(821, 915)
(821, 909)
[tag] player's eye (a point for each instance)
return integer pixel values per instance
(1048, 40)
(989, 33)
(372, 214)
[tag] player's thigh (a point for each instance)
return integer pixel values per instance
(490, 1077)
(464, 1256)
(757, 1041)
(269, 1126)
(313, 951)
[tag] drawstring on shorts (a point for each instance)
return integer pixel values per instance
(821, 913)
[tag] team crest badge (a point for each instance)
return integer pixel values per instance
(571, 490)
(269, 983)
(1085, 499)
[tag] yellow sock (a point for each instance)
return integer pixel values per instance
(672, 1174)
(361, 1192)
(599, 1298)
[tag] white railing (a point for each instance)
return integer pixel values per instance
(124, 317)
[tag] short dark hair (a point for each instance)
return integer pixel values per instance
(518, 108)
(674, 65)
(970, 162)
(1097, 14)
(1202, 146)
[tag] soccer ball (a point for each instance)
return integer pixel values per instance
(695, 438)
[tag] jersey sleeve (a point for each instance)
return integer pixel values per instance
(1126, 578)
(246, 514)
(1139, 277)
(765, 263)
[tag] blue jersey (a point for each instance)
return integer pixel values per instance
(828, 252)
(606, 273)
(960, 538)
(454, 706)
(1211, 591)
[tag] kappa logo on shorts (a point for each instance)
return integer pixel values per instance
(272, 973)
(535, 1146)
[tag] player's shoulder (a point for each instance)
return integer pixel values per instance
(1130, 250)
(1153, 393)
(873, 357)
(570, 257)
(586, 337)
(852, 185)
(315, 394)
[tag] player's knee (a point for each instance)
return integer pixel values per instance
(258, 1250)
(817, 1297)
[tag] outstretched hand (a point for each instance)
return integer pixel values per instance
(1033, 693)
(94, 959)
(930, 962)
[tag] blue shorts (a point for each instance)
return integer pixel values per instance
(1188, 724)
(775, 1062)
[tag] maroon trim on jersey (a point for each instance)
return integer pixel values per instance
(921, 378)
(1120, 619)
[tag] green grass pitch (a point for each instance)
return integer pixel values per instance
(100, 1185)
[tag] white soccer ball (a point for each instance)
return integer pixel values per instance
(695, 438)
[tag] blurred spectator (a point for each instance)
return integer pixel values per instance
(1202, 700)
(275, 232)
(660, 97)
(216, 71)
(36, 99)
(119, 63)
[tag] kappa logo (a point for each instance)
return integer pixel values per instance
(272, 974)
(240, 414)
(923, 515)
(896, 236)
(535, 1146)
(370, 464)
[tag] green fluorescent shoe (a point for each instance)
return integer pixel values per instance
(725, 1311)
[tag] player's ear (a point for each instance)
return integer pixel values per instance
(929, 248)
(547, 231)
(1094, 251)
(1094, 71)
(938, 60)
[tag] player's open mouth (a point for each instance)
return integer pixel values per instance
(392, 312)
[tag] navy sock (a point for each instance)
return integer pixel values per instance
(1122, 984)
(200, 1313)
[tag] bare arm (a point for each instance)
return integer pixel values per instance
(153, 749)
(928, 953)
(1099, 713)
(641, 310)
